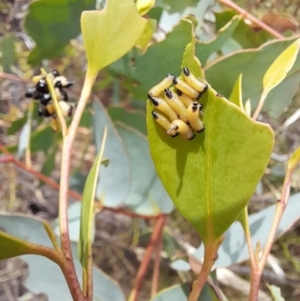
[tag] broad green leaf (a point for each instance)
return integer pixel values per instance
(253, 64)
(52, 24)
(17, 125)
(49, 163)
(244, 35)
(205, 49)
(275, 292)
(167, 55)
(41, 140)
(234, 247)
(180, 292)
(113, 185)
(144, 6)
(236, 94)
(49, 279)
(146, 194)
(110, 33)
(211, 178)
(8, 52)
(133, 118)
(279, 69)
(147, 35)
(87, 209)
(12, 246)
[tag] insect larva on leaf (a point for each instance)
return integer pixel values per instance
(174, 101)
(193, 112)
(185, 88)
(185, 99)
(159, 88)
(193, 81)
(62, 82)
(164, 107)
(182, 128)
(163, 121)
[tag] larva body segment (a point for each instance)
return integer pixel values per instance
(193, 81)
(185, 99)
(163, 107)
(157, 90)
(176, 104)
(193, 112)
(185, 88)
(182, 128)
(163, 121)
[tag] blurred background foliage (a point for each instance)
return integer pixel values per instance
(47, 34)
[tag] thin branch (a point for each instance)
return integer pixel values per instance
(281, 205)
(250, 17)
(156, 234)
(155, 277)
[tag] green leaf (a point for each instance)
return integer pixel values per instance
(234, 247)
(236, 94)
(294, 159)
(212, 178)
(87, 212)
(146, 195)
(147, 35)
(110, 33)
(12, 246)
(16, 125)
(24, 139)
(279, 69)
(49, 279)
(275, 292)
(52, 24)
(180, 292)
(133, 118)
(253, 64)
(114, 184)
(144, 6)
(205, 49)
(49, 163)
(167, 54)
(8, 52)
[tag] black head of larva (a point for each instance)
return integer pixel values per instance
(45, 98)
(41, 86)
(55, 73)
(186, 71)
(41, 111)
(168, 93)
(175, 135)
(154, 114)
(199, 95)
(202, 130)
(201, 107)
(205, 88)
(174, 79)
(195, 106)
(30, 92)
(192, 137)
(179, 92)
(153, 100)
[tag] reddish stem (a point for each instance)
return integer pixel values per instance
(157, 232)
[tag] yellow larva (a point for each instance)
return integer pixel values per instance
(182, 128)
(185, 88)
(62, 82)
(174, 101)
(66, 108)
(164, 107)
(164, 122)
(193, 112)
(193, 81)
(159, 88)
(54, 124)
(185, 99)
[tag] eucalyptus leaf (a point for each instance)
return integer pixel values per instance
(212, 178)
(87, 209)
(236, 94)
(275, 292)
(280, 67)
(110, 33)
(44, 275)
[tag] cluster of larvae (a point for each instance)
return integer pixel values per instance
(40, 92)
(178, 109)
